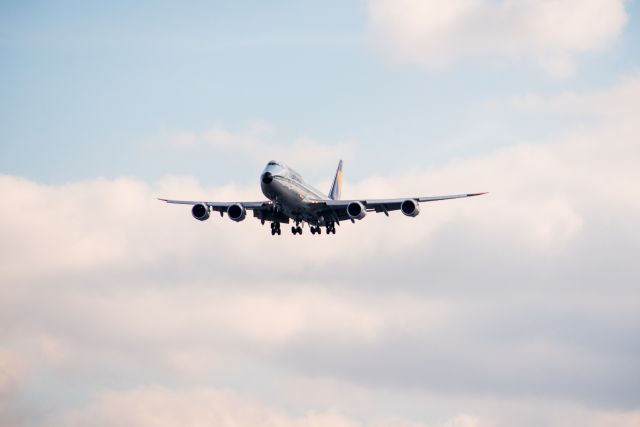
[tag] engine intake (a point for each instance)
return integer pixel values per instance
(237, 212)
(410, 207)
(200, 212)
(356, 210)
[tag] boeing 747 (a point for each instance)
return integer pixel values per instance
(291, 199)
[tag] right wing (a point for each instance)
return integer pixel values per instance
(220, 206)
(262, 210)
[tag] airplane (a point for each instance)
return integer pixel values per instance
(290, 198)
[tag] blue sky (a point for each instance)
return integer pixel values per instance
(516, 308)
(106, 85)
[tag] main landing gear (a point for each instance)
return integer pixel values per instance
(296, 229)
(275, 228)
(331, 228)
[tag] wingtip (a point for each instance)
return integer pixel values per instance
(478, 194)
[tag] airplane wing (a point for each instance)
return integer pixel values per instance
(220, 206)
(262, 210)
(337, 209)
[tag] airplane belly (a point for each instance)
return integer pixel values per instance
(289, 197)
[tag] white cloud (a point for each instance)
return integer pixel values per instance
(258, 141)
(528, 291)
(550, 32)
(204, 407)
(13, 370)
(618, 104)
(158, 407)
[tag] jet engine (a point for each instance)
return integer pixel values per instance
(200, 212)
(410, 207)
(356, 210)
(237, 212)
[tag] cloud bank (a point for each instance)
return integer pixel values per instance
(518, 308)
(549, 33)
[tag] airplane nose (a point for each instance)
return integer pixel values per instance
(267, 178)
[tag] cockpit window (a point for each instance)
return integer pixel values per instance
(272, 163)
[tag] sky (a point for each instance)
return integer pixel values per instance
(521, 307)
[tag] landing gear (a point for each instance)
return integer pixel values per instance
(316, 230)
(331, 228)
(275, 228)
(296, 229)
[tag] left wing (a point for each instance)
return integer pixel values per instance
(338, 209)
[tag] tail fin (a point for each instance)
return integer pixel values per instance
(336, 187)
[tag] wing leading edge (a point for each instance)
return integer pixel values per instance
(338, 208)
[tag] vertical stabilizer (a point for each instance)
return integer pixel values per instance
(336, 187)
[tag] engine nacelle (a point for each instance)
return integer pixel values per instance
(356, 210)
(410, 207)
(200, 212)
(237, 212)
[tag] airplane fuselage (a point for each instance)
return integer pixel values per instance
(290, 193)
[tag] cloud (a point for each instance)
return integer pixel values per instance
(204, 407)
(257, 141)
(549, 33)
(620, 101)
(523, 297)
(12, 373)
(159, 406)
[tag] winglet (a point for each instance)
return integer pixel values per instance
(336, 187)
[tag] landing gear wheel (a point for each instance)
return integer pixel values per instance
(275, 228)
(296, 229)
